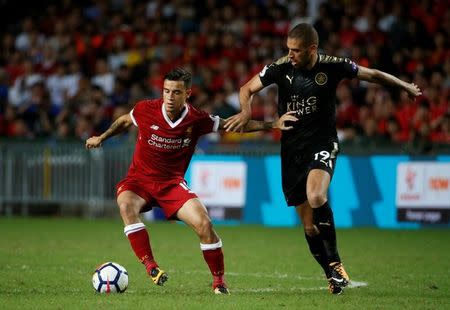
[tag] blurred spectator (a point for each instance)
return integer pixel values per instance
(56, 85)
(83, 128)
(231, 94)
(393, 131)
(347, 110)
(221, 106)
(421, 119)
(92, 58)
(38, 112)
(421, 142)
(63, 131)
(3, 89)
(71, 80)
(442, 134)
(20, 92)
(103, 77)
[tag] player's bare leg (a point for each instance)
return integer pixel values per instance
(316, 190)
(130, 204)
(194, 214)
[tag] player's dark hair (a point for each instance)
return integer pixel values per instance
(179, 74)
(306, 33)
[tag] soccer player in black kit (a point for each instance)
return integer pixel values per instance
(307, 82)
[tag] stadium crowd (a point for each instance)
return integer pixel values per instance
(68, 71)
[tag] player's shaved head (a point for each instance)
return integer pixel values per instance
(306, 33)
(179, 74)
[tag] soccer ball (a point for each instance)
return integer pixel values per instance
(110, 278)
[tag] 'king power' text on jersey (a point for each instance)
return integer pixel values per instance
(311, 93)
(164, 148)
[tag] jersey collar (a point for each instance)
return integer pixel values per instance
(179, 120)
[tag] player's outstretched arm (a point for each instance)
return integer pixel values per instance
(383, 78)
(118, 126)
(280, 123)
(237, 122)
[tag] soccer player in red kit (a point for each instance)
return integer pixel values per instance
(168, 132)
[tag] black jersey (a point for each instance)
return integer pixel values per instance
(312, 94)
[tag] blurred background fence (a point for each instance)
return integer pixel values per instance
(64, 174)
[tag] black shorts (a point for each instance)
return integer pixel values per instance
(295, 167)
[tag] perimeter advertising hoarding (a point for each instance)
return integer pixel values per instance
(221, 186)
(423, 192)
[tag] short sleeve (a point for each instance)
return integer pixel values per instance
(274, 72)
(208, 123)
(136, 112)
(269, 74)
(132, 118)
(349, 69)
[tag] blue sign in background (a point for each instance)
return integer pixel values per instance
(362, 192)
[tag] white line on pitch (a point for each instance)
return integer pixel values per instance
(352, 284)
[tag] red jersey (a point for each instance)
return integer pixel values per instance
(165, 148)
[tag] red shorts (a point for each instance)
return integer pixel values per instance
(169, 195)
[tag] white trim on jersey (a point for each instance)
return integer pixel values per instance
(211, 246)
(216, 120)
(169, 121)
(184, 186)
(335, 150)
(133, 119)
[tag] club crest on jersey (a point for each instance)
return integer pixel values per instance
(187, 139)
(186, 142)
(188, 133)
(321, 78)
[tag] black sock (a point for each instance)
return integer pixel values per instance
(323, 219)
(318, 252)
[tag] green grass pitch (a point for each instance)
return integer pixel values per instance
(47, 263)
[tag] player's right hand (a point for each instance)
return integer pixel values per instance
(93, 142)
(286, 117)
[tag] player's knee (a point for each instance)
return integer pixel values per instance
(204, 229)
(127, 210)
(311, 231)
(316, 199)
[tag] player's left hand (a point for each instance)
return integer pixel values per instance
(413, 90)
(236, 123)
(286, 117)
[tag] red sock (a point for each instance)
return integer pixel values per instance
(140, 242)
(213, 255)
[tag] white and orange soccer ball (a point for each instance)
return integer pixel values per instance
(110, 278)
